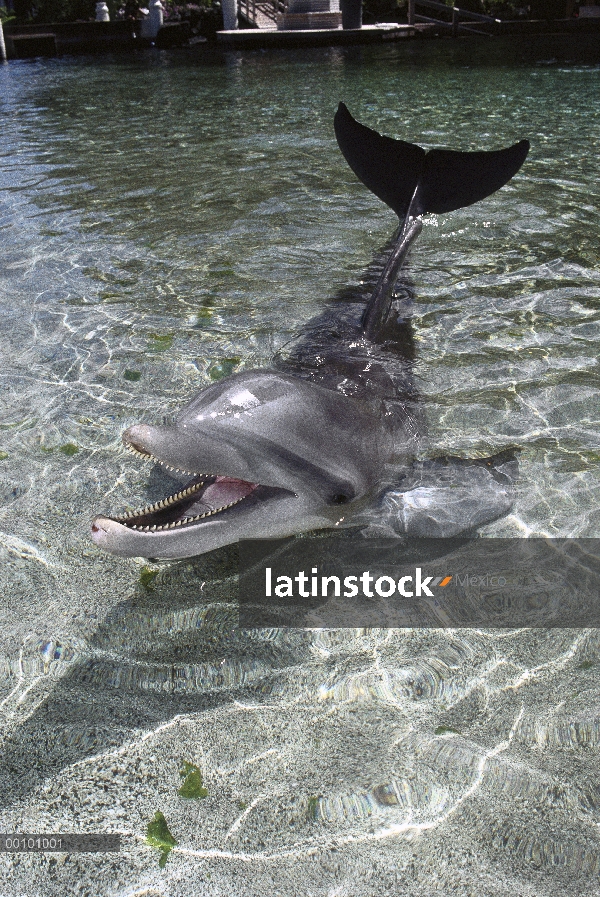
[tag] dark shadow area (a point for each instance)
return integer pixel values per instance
(173, 648)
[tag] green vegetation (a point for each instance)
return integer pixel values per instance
(132, 375)
(224, 367)
(69, 449)
(586, 665)
(84, 10)
(204, 16)
(6, 16)
(446, 730)
(147, 577)
(158, 835)
(160, 342)
(54, 10)
(312, 812)
(192, 786)
(3, 456)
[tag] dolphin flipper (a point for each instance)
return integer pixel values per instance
(448, 497)
(413, 181)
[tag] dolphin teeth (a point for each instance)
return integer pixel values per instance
(184, 521)
(168, 502)
(147, 456)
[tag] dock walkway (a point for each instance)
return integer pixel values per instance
(255, 38)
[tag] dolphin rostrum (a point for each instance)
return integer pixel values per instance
(332, 430)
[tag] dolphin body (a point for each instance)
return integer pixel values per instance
(328, 437)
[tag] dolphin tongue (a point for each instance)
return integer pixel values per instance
(222, 492)
(218, 495)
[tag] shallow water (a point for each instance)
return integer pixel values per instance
(166, 220)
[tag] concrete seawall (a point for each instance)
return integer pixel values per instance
(27, 41)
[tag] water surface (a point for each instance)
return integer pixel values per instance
(165, 221)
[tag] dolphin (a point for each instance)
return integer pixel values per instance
(331, 431)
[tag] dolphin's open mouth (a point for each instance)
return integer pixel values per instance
(204, 496)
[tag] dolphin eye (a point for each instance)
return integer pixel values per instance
(339, 499)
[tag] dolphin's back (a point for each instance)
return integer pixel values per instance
(411, 180)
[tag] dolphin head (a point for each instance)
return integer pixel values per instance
(268, 455)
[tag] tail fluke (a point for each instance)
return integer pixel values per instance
(411, 180)
(389, 168)
(451, 180)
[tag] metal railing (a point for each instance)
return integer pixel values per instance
(256, 11)
(454, 18)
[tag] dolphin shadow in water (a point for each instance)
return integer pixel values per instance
(329, 433)
(273, 453)
(173, 649)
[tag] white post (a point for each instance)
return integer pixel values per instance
(155, 17)
(152, 22)
(143, 22)
(2, 45)
(102, 13)
(230, 15)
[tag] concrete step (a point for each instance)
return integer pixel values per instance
(264, 21)
(309, 21)
(298, 6)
